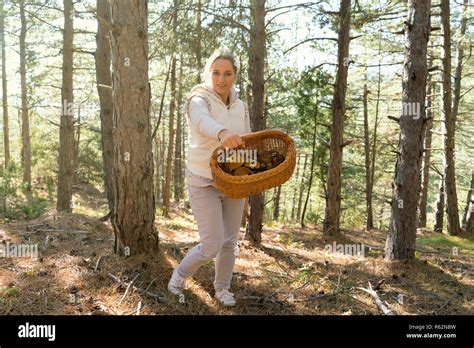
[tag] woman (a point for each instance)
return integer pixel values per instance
(216, 117)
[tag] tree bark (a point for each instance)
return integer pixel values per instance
(448, 119)
(134, 214)
(171, 131)
(427, 137)
(198, 41)
(104, 89)
(376, 120)
(295, 191)
(178, 158)
(468, 211)
(459, 61)
(6, 129)
(313, 160)
(303, 178)
(66, 132)
(368, 169)
(468, 219)
(439, 207)
(333, 198)
(25, 119)
(157, 152)
(163, 162)
(406, 185)
(276, 202)
(256, 75)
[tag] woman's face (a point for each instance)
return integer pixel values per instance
(223, 76)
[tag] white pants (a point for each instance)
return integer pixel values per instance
(218, 219)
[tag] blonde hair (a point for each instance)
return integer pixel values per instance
(223, 53)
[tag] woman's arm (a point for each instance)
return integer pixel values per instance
(200, 119)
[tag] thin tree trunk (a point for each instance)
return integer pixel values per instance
(178, 160)
(198, 41)
(256, 74)
(382, 209)
(376, 121)
(303, 178)
(448, 118)
(171, 130)
(406, 185)
(66, 133)
(368, 170)
(104, 89)
(313, 160)
(276, 202)
(427, 137)
(6, 129)
(134, 214)
(468, 219)
(333, 198)
(295, 191)
(77, 143)
(163, 162)
(25, 119)
(157, 154)
(169, 158)
(439, 207)
(459, 61)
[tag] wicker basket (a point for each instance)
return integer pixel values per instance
(245, 186)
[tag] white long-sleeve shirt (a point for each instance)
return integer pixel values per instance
(207, 116)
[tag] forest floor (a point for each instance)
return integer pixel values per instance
(292, 273)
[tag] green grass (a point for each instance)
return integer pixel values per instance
(9, 292)
(173, 225)
(446, 243)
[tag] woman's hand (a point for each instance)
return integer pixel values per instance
(229, 139)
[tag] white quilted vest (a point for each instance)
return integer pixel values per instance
(234, 117)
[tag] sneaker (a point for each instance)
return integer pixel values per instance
(225, 297)
(176, 283)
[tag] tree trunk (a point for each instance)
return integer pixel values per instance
(158, 160)
(6, 129)
(313, 160)
(134, 214)
(163, 162)
(427, 137)
(459, 61)
(178, 159)
(468, 211)
(256, 75)
(333, 199)
(448, 119)
(468, 219)
(25, 119)
(439, 208)
(376, 120)
(66, 133)
(169, 159)
(77, 143)
(276, 202)
(295, 191)
(368, 170)
(406, 184)
(198, 41)
(303, 178)
(104, 89)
